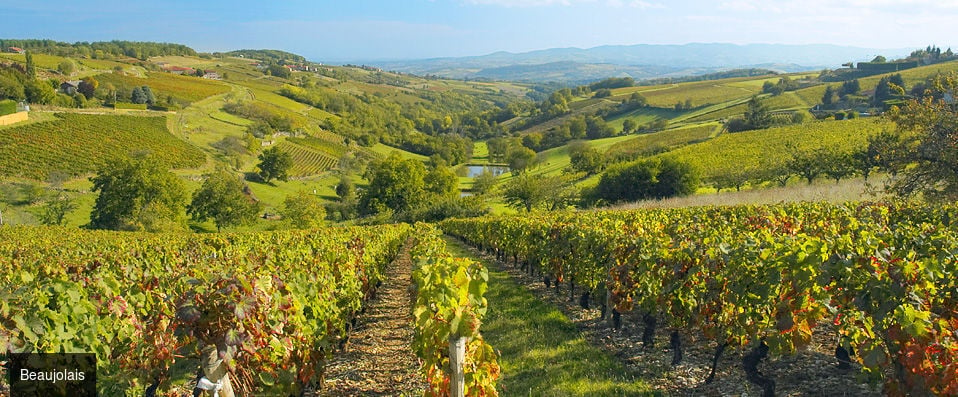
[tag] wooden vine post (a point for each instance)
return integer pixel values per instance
(457, 359)
(217, 372)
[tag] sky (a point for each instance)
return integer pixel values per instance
(365, 30)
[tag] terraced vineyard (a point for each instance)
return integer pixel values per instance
(335, 149)
(78, 143)
(308, 161)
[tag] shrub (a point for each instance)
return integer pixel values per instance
(8, 107)
(644, 179)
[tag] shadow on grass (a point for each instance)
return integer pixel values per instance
(542, 353)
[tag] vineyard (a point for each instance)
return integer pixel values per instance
(326, 142)
(308, 161)
(183, 89)
(276, 302)
(767, 150)
(268, 308)
(881, 278)
(663, 141)
(78, 143)
(701, 93)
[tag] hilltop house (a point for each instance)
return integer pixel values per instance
(70, 87)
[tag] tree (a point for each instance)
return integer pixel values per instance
(897, 80)
(88, 86)
(829, 97)
(137, 96)
(442, 182)
(31, 68)
(879, 59)
(851, 87)
(882, 91)
(757, 115)
(629, 125)
(138, 194)
(274, 164)
(736, 124)
(597, 128)
(304, 211)
(56, 209)
(527, 192)
(584, 158)
(222, 199)
(520, 158)
(67, 67)
(644, 179)
(675, 179)
(345, 208)
(484, 182)
(279, 71)
(928, 130)
(637, 100)
(395, 184)
(577, 127)
(837, 165)
(498, 147)
(804, 163)
(345, 188)
(39, 92)
(149, 98)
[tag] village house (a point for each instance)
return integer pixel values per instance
(212, 76)
(16, 50)
(70, 87)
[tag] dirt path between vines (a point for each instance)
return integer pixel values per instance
(379, 360)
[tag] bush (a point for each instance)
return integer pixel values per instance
(645, 179)
(129, 106)
(8, 107)
(452, 207)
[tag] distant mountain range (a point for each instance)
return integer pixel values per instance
(642, 61)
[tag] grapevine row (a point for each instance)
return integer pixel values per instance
(880, 276)
(270, 307)
(308, 161)
(449, 308)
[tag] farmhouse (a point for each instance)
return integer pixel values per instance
(16, 50)
(212, 76)
(70, 87)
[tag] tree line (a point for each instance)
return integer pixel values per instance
(100, 49)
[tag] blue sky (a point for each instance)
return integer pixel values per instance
(360, 30)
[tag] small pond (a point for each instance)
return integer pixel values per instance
(496, 170)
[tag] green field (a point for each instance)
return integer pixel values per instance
(78, 143)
